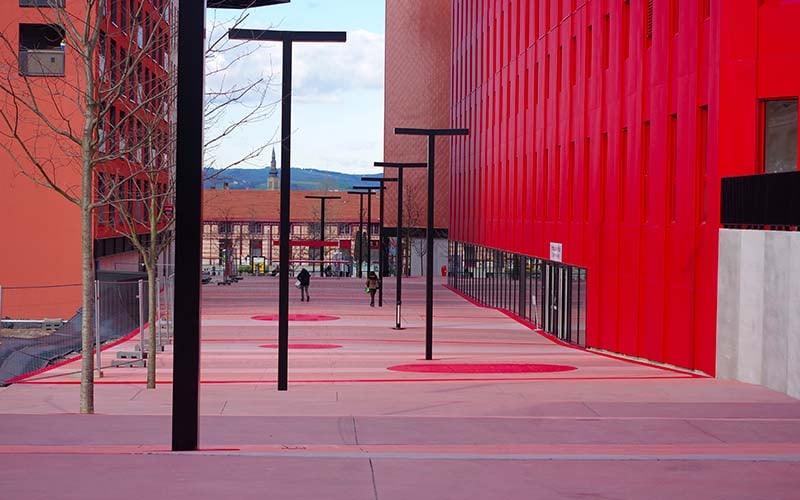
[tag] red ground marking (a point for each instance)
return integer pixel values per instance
(304, 346)
(560, 342)
(296, 317)
(483, 368)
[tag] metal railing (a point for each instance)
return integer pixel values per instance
(764, 201)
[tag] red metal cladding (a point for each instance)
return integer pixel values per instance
(606, 126)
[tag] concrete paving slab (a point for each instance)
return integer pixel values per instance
(349, 427)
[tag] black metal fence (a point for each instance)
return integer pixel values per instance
(764, 201)
(549, 295)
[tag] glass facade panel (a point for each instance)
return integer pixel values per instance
(780, 136)
(549, 295)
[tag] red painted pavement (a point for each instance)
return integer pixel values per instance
(610, 428)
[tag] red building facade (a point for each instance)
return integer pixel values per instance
(132, 65)
(605, 127)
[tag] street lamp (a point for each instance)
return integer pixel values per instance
(188, 213)
(381, 256)
(399, 285)
(287, 38)
(431, 134)
(369, 190)
(322, 199)
(360, 240)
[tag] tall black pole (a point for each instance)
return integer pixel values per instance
(322, 239)
(399, 273)
(381, 246)
(188, 225)
(369, 231)
(360, 245)
(286, 186)
(380, 251)
(431, 134)
(399, 283)
(367, 192)
(429, 246)
(286, 37)
(322, 200)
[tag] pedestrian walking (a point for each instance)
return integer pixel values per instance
(303, 281)
(373, 283)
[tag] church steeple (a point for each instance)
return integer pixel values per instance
(273, 184)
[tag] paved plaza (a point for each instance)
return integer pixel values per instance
(502, 412)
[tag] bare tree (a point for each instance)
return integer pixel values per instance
(110, 115)
(414, 218)
(232, 106)
(54, 127)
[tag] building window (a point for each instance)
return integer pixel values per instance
(102, 191)
(256, 228)
(672, 166)
(674, 17)
(256, 248)
(344, 229)
(645, 172)
(41, 50)
(589, 52)
(225, 228)
(606, 39)
(42, 3)
(626, 28)
(705, 9)
(702, 164)
(780, 135)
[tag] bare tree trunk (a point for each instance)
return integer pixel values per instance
(87, 242)
(87, 279)
(151, 328)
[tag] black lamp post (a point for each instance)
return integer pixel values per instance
(368, 190)
(399, 285)
(381, 252)
(431, 134)
(287, 38)
(188, 214)
(360, 240)
(322, 199)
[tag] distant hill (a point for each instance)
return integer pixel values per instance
(303, 179)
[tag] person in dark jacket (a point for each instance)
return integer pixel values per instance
(304, 279)
(373, 283)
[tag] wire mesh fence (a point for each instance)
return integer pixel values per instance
(121, 309)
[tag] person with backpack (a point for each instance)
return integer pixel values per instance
(373, 283)
(303, 281)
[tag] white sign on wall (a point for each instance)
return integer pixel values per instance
(555, 251)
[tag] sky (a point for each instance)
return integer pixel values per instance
(337, 90)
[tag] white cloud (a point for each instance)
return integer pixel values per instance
(319, 70)
(337, 95)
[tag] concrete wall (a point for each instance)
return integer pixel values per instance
(758, 308)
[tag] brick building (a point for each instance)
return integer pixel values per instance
(132, 66)
(241, 228)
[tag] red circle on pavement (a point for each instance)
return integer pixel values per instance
(483, 368)
(296, 317)
(304, 346)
